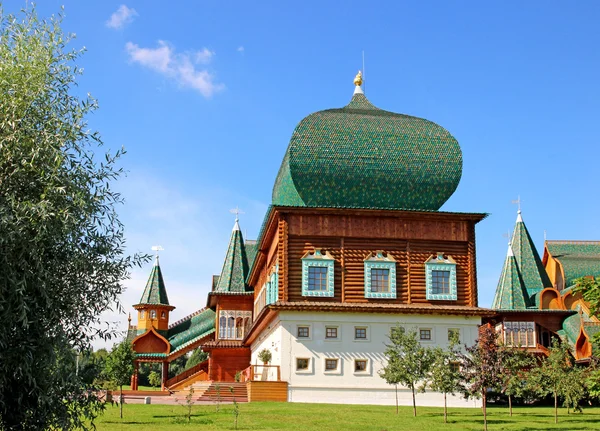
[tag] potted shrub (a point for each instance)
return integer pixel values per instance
(265, 356)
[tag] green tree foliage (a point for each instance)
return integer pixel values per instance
(91, 365)
(407, 361)
(154, 379)
(120, 367)
(197, 357)
(515, 363)
(444, 376)
(61, 242)
(552, 376)
(481, 368)
(590, 290)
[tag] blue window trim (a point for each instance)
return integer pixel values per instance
(440, 264)
(375, 264)
(318, 259)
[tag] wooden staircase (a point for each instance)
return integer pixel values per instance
(189, 377)
(239, 392)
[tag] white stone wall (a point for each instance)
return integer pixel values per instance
(345, 385)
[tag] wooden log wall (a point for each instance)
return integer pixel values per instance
(267, 391)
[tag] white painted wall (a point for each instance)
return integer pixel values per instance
(344, 385)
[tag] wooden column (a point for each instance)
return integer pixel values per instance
(165, 375)
(342, 263)
(472, 267)
(408, 271)
(134, 376)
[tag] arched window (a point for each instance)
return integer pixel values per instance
(163, 315)
(142, 314)
(231, 328)
(223, 327)
(246, 325)
(239, 328)
(153, 314)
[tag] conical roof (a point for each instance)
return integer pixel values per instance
(528, 260)
(155, 291)
(235, 268)
(510, 293)
(360, 156)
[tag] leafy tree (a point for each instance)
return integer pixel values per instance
(197, 357)
(265, 356)
(550, 377)
(444, 376)
(573, 388)
(590, 290)
(515, 363)
(407, 361)
(120, 367)
(61, 242)
(154, 379)
(481, 367)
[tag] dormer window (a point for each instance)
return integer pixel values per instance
(317, 274)
(163, 315)
(440, 278)
(153, 314)
(380, 275)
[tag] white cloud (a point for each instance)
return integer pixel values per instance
(123, 16)
(240, 48)
(182, 68)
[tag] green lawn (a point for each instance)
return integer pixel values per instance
(141, 388)
(292, 416)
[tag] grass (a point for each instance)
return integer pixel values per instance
(292, 416)
(141, 388)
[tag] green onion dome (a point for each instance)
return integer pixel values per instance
(360, 156)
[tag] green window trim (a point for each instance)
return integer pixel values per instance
(380, 260)
(318, 259)
(439, 263)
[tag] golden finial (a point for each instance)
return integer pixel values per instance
(358, 80)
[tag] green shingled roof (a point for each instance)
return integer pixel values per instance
(360, 156)
(578, 258)
(235, 268)
(510, 293)
(155, 291)
(533, 273)
(188, 330)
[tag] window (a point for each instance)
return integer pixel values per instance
(317, 278)
(440, 282)
(360, 365)
(455, 367)
(425, 334)
(453, 333)
(331, 364)
(331, 332)
(301, 364)
(233, 324)
(153, 314)
(440, 278)
(380, 280)
(163, 315)
(303, 332)
(519, 334)
(317, 274)
(360, 333)
(142, 314)
(380, 275)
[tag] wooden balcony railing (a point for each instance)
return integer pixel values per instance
(202, 366)
(261, 373)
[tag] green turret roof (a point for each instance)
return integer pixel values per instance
(235, 268)
(510, 293)
(578, 258)
(155, 291)
(533, 273)
(360, 156)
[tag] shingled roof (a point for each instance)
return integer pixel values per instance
(510, 293)
(533, 274)
(360, 156)
(578, 258)
(235, 268)
(155, 292)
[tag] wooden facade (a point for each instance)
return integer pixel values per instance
(350, 235)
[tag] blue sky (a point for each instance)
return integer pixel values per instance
(205, 95)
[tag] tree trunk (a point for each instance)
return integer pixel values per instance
(555, 407)
(484, 405)
(510, 405)
(414, 402)
(121, 402)
(445, 409)
(396, 399)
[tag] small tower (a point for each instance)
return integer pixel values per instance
(153, 309)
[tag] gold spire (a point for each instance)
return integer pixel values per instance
(358, 80)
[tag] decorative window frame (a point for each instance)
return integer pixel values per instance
(380, 260)
(318, 259)
(230, 332)
(439, 263)
(310, 331)
(308, 370)
(337, 370)
(366, 372)
(338, 332)
(368, 334)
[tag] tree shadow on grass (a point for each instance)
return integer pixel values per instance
(195, 415)
(126, 422)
